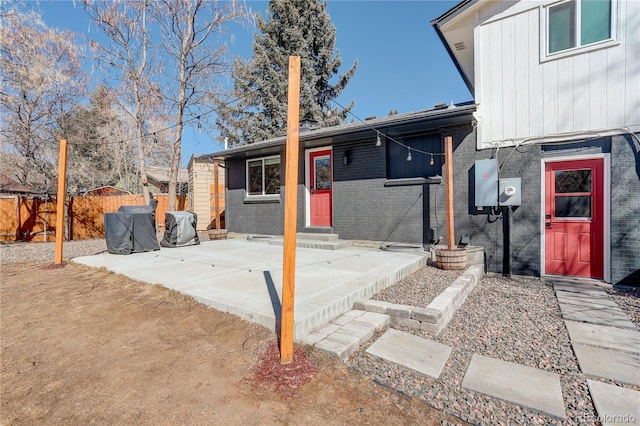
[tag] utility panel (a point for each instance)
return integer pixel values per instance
(510, 190)
(486, 174)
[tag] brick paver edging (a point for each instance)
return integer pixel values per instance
(435, 317)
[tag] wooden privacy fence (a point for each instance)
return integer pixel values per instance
(34, 219)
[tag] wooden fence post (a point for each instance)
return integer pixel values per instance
(62, 179)
(290, 212)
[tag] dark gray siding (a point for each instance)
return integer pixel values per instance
(487, 230)
(625, 210)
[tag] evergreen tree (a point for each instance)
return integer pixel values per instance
(292, 28)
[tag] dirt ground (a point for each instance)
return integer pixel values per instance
(86, 346)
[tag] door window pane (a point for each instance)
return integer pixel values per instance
(562, 27)
(595, 21)
(573, 181)
(255, 177)
(322, 176)
(573, 206)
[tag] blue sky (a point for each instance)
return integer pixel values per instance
(401, 62)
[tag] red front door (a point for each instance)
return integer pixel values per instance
(574, 225)
(320, 187)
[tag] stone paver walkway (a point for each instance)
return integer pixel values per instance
(607, 346)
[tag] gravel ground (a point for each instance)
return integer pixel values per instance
(45, 252)
(515, 320)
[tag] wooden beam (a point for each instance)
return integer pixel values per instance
(448, 158)
(62, 180)
(290, 211)
(216, 201)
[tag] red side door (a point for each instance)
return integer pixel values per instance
(574, 225)
(320, 187)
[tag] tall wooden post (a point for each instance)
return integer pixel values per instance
(216, 201)
(448, 158)
(62, 180)
(290, 211)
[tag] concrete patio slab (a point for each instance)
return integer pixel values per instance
(424, 356)
(615, 405)
(245, 277)
(529, 387)
(607, 316)
(621, 366)
(605, 337)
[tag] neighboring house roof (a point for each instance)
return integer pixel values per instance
(11, 186)
(391, 125)
(161, 174)
(106, 190)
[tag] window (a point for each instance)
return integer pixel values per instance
(420, 164)
(573, 194)
(577, 23)
(263, 176)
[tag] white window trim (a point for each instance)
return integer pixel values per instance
(262, 196)
(545, 56)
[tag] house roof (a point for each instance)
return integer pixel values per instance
(461, 59)
(456, 28)
(161, 174)
(106, 188)
(392, 125)
(11, 186)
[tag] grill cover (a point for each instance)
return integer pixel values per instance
(180, 229)
(131, 230)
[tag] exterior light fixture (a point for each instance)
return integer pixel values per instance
(378, 140)
(431, 161)
(409, 158)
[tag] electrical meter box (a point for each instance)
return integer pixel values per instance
(510, 192)
(486, 176)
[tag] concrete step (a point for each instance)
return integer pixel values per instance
(317, 236)
(344, 334)
(314, 244)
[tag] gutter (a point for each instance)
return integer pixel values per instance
(345, 129)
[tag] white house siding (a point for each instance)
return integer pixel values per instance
(520, 96)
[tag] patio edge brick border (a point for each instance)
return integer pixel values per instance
(435, 317)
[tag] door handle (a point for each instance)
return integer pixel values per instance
(548, 224)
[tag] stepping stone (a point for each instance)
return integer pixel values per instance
(580, 289)
(406, 350)
(615, 405)
(604, 337)
(591, 300)
(609, 316)
(614, 365)
(526, 386)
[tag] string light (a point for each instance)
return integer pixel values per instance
(409, 158)
(431, 161)
(199, 125)
(378, 141)
(173, 126)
